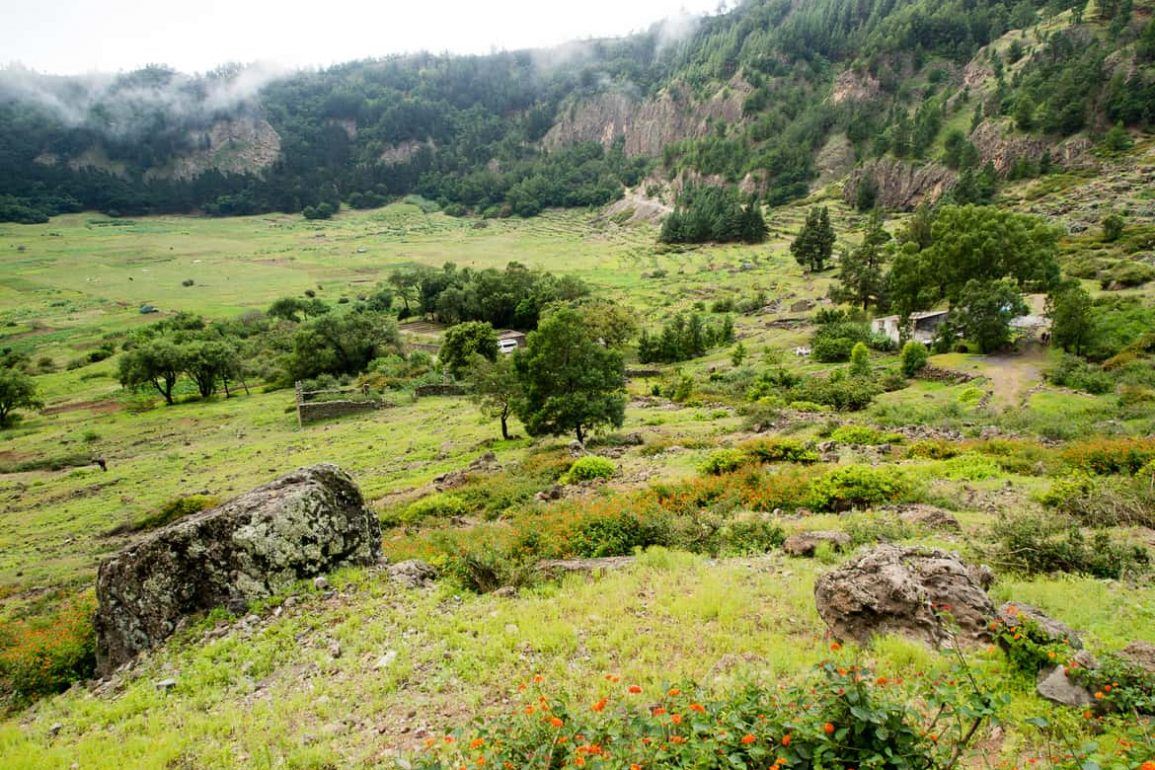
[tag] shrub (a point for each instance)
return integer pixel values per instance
(863, 435)
(860, 361)
(1075, 373)
(722, 461)
(971, 467)
(617, 535)
(438, 506)
(845, 394)
(1106, 456)
(858, 486)
(934, 449)
(914, 358)
(843, 716)
(589, 468)
(780, 450)
(1105, 502)
(46, 655)
(1037, 544)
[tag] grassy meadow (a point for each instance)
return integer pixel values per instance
(363, 675)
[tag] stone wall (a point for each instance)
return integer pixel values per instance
(324, 410)
(439, 389)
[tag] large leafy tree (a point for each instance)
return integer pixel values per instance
(17, 391)
(981, 243)
(984, 311)
(158, 362)
(211, 362)
(340, 343)
(815, 242)
(571, 383)
(464, 341)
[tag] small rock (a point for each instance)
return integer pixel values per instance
(385, 660)
(506, 592)
(413, 573)
(55, 729)
(166, 684)
(335, 649)
(321, 583)
(1046, 629)
(1054, 685)
(805, 544)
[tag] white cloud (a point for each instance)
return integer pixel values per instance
(75, 36)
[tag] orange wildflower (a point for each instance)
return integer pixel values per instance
(635, 689)
(828, 728)
(835, 646)
(1148, 765)
(698, 707)
(658, 711)
(476, 743)
(556, 722)
(600, 705)
(747, 739)
(677, 739)
(676, 719)
(786, 739)
(538, 678)
(674, 693)
(635, 766)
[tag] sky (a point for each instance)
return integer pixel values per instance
(80, 36)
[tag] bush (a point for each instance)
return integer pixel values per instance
(844, 716)
(780, 450)
(858, 486)
(971, 467)
(1075, 373)
(862, 435)
(722, 461)
(1105, 456)
(438, 506)
(914, 358)
(1048, 544)
(1105, 502)
(934, 449)
(589, 468)
(46, 655)
(845, 394)
(619, 535)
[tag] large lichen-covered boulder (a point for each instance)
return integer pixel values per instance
(298, 526)
(920, 593)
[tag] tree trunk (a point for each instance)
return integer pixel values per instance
(580, 436)
(504, 425)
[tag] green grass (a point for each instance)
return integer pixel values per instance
(275, 697)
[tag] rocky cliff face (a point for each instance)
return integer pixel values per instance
(648, 124)
(241, 145)
(300, 525)
(901, 185)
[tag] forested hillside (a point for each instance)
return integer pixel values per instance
(774, 96)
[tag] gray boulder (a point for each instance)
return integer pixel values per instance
(299, 526)
(904, 590)
(1141, 655)
(1053, 685)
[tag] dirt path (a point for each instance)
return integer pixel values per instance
(1013, 375)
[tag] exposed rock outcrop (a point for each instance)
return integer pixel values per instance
(646, 124)
(900, 185)
(1053, 685)
(300, 525)
(904, 590)
(413, 573)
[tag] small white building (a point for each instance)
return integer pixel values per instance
(924, 326)
(509, 341)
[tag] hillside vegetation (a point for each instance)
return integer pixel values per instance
(774, 95)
